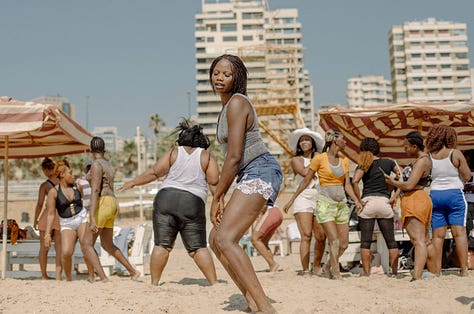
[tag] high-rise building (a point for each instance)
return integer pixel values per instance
(268, 41)
(62, 102)
(110, 136)
(429, 61)
(472, 84)
(368, 91)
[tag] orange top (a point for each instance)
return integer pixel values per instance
(320, 165)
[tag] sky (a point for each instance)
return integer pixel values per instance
(127, 60)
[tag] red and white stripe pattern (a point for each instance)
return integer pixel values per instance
(389, 125)
(37, 130)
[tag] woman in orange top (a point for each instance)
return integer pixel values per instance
(332, 211)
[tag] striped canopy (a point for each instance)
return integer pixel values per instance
(30, 130)
(389, 125)
(38, 130)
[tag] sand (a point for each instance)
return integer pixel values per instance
(184, 290)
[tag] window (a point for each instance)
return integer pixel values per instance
(459, 43)
(251, 26)
(399, 59)
(248, 38)
(229, 27)
(229, 38)
(199, 39)
(463, 91)
(458, 32)
(461, 67)
(210, 39)
(416, 55)
(252, 15)
(397, 36)
(430, 55)
(444, 55)
(461, 55)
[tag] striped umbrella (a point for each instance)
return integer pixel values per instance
(389, 125)
(29, 130)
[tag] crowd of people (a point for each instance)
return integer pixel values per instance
(319, 204)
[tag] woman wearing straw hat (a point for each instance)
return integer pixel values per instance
(306, 144)
(332, 210)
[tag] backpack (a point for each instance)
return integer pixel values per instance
(14, 232)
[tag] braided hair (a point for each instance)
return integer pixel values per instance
(191, 135)
(97, 145)
(239, 73)
(330, 136)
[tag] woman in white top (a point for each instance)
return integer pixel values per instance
(179, 205)
(304, 143)
(449, 169)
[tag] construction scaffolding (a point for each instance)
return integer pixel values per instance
(274, 90)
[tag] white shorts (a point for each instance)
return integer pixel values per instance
(74, 222)
(376, 207)
(305, 202)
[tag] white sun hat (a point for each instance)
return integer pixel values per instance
(294, 137)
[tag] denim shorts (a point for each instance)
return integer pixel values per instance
(263, 176)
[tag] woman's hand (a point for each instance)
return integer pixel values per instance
(217, 209)
(93, 226)
(126, 186)
(288, 205)
(47, 240)
(359, 206)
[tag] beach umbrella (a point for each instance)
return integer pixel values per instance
(32, 130)
(389, 125)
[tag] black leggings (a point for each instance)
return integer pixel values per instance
(366, 226)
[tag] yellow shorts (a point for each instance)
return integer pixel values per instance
(327, 211)
(106, 212)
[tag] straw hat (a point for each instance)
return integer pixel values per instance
(294, 137)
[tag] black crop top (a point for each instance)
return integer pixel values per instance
(67, 208)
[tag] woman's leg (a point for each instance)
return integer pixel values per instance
(417, 232)
(239, 213)
(203, 260)
(87, 245)
(319, 245)
(57, 248)
(43, 257)
(305, 226)
(460, 238)
(366, 226)
(68, 242)
(437, 239)
(228, 268)
(386, 227)
(343, 236)
(158, 260)
(80, 234)
(260, 243)
(107, 243)
(332, 265)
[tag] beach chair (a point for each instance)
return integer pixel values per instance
(292, 236)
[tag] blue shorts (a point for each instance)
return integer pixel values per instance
(449, 208)
(263, 176)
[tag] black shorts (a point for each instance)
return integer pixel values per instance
(174, 211)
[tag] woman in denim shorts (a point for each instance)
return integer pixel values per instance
(258, 178)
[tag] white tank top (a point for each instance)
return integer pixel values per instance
(314, 183)
(186, 174)
(444, 175)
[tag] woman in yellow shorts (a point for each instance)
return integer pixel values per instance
(332, 211)
(104, 207)
(416, 203)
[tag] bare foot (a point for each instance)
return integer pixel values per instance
(274, 267)
(327, 270)
(46, 277)
(317, 271)
(105, 279)
(464, 272)
(136, 275)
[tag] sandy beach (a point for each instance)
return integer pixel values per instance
(184, 290)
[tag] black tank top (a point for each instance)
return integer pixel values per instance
(67, 208)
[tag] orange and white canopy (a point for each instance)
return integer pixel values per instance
(389, 125)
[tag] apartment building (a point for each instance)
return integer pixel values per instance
(368, 91)
(62, 102)
(429, 61)
(268, 41)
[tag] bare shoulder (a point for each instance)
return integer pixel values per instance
(239, 102)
